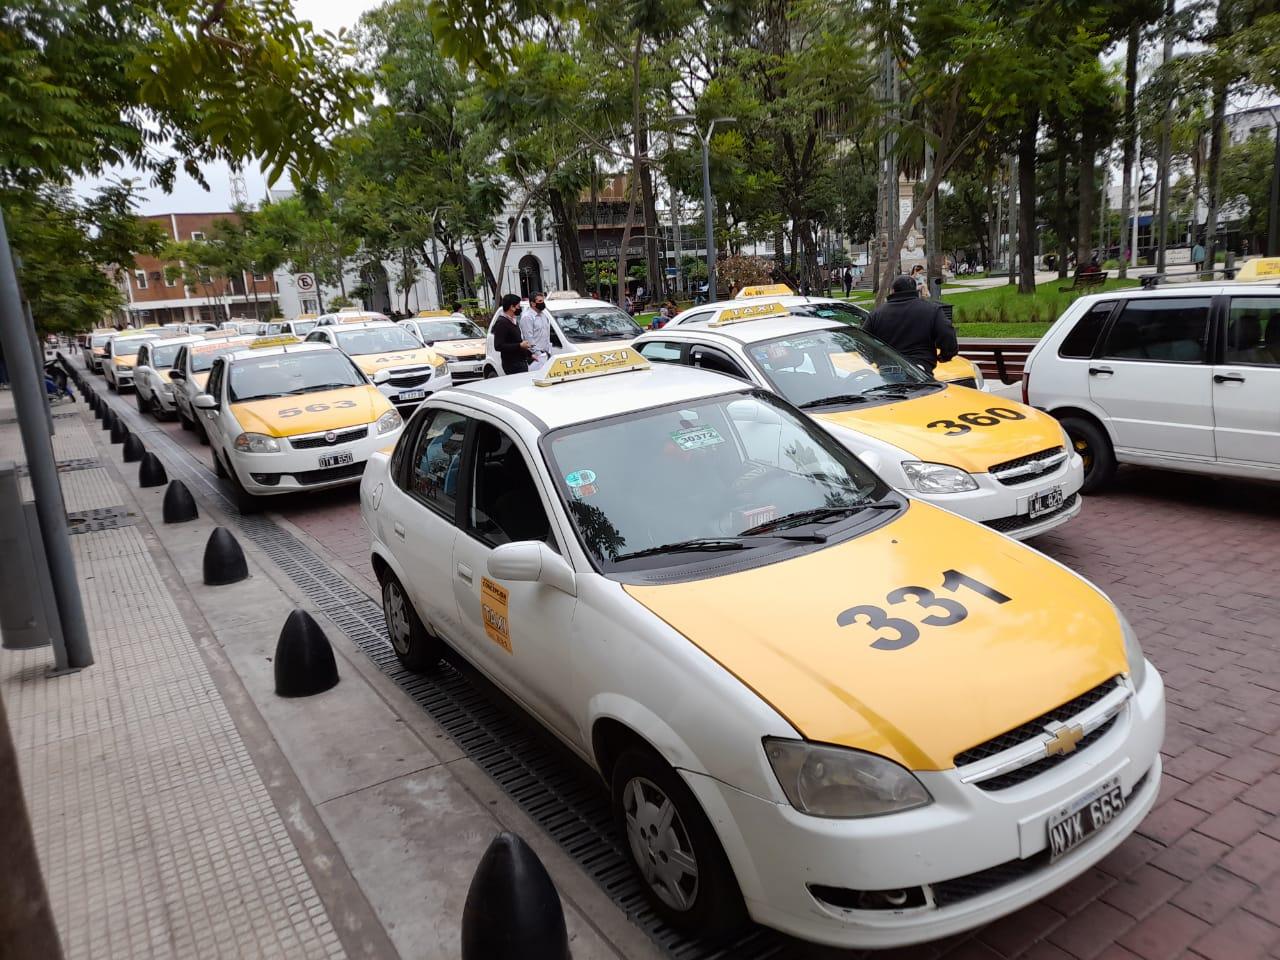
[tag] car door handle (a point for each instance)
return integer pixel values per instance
(464, 572)
(399, 529)
(1099, 371)
(1227, 378)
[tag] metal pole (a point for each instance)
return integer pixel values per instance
(1166, 124)
(435, 258)
(1013, 218)
(1137, 197)
(710, 215)
(29, 399)
(1273, 217)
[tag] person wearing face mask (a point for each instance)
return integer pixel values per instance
(507, 339)
(535, 327)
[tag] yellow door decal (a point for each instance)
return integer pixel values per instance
(493, 610)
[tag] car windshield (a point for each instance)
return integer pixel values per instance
(100, 340)
(290, 374)
(844, 312)
(127, 346)
(302, 327)
(163, 355)
(835, 367)
(202, 354)
(376, 340)
(667, 486)
(434, 331)
(595, 324)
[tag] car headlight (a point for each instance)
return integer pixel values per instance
(381, 376)
(979, 381)
(826, 781)
(1133, 651)
(388, 422)
(937, 477)
(256, 443)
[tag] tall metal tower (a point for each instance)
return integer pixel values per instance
(239, 192)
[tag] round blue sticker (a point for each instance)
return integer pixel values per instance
(580, 478)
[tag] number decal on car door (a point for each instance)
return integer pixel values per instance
(905, 632)
(991, 417)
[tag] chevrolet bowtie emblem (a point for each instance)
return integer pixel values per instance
(1064, 740)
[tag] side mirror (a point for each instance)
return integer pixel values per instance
(381, 376)
(205, 402)
(531, 561)
(177, 374)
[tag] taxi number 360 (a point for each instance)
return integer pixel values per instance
(905, 633)
(316, 408)
(991, 417)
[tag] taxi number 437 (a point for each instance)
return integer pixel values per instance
(963, 423)
(316, 408)
(905, 632)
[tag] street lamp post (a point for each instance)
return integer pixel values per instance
(1273, 219)
(706, 195)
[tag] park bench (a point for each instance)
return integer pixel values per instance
(1083, 281)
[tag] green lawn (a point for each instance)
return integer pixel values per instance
(1003, 312)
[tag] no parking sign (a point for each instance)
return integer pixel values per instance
(305, 282)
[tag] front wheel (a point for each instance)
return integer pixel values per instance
(490, 373)
(674, 847)
(414, 646)
(1094, 446)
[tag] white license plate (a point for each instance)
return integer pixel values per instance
(1076, 822)
(1046, 501)
(337, 459)
(411, 395)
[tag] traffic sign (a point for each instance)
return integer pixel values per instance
(305, 282)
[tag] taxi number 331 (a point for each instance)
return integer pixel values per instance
(317, 408)
(963, 423)
(944, 612)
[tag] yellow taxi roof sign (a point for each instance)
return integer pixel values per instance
(757, 311)
(595, 363)
(1263, 268)
(423, 314)
(305, 316)
(765, 290)
(280, 340)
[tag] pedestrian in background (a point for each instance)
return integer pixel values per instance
(848, 280)
(511, 346)
(1197, 255)
(916, 328)
(535, 328)
(921, 279)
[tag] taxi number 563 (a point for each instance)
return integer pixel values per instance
(316, 408)
(991, 417)
(905, 632)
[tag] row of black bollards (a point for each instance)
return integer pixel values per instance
(512, 910)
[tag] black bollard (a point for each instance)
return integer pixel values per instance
(179, 505)
(151, 472)
(513, 911)
(108, 418)
(304, 661)
(223, 559)
(118, 430)
(96, 404)
(133, 449)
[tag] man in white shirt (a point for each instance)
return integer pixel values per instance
(535, 327)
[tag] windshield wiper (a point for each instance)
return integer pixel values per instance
(820, 515)
(260, 396)
(831, 401)
(317, 387)
(899, 387)
(716, 544)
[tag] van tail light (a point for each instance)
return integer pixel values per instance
(1026, 386)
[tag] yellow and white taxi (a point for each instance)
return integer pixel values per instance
(995, 461)
(300, 325)
(958, 370)
(454, 337)
(392, 357)
(153, 375)
(853, 716)
(282, 415)
(93, 347)
(190, 373)
(121, 352)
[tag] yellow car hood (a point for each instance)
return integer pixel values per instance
(371, 363)
(1004, 663)
(906, 424)
(452, 349)
(200, 379)
(957, 368)
(311, 412)
(125, 362)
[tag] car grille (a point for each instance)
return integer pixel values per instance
(954, 891)
(1024, 469)
(1035, 728)
(329, 474)
(312, 441)
(410, 378)
(965, 382)
(1022, 774)
(1023, 521)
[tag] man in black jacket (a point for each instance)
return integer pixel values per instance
(918, 329)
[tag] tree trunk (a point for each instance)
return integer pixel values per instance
(620, 295)
(657, 276)
(1088, 196)
(490, 280)
(563, 209)
(1217, 132)
(1027, 201)
(1130, 129)
(1064, 222)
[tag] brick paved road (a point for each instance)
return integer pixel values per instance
(1195, 565)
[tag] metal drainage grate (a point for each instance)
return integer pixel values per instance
(553, 787)
(66, 466)
(99, 518)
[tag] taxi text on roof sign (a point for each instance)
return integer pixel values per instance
(766, 290)
(757, 311)
(1264, 268)
(283, 340)
(434, 313)
(597, 363)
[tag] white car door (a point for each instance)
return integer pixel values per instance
(1246, 385)
(213, 419)
(518, 633)
(1153, 378)
(142, 373)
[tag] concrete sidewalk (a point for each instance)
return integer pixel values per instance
(181, 809)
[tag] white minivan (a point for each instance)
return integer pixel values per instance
(1182, 377)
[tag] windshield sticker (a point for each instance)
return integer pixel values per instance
(755, 516)
(493, 609)
(695, 438)
(582, 483)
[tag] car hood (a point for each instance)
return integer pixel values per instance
(452, 349)
(311, 412)
(921, 427)
(371, 363)
(776, 628)
(957, 368)
(200, 379)
(125, 362)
